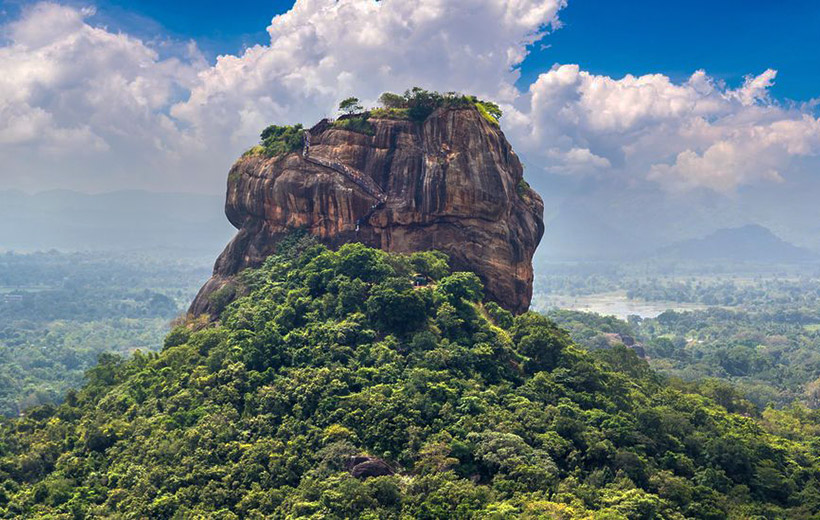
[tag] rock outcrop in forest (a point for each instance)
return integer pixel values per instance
(449, 182)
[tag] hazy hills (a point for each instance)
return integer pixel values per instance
(607, 221)
(750, 243)
(577, 236)
(189, 225)
(194, 226)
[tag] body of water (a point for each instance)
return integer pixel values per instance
(610, 304)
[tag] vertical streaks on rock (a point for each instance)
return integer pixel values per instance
(451, 183)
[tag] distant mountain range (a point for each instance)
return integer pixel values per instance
(750, 243)
(605, 220)
(575, 234)
(186, 225)
(189, 225)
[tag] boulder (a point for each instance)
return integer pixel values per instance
(451, 183)
(365, 467)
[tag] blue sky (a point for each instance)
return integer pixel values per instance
(727, 38)
(218, 27)
(108, 94)
(102, 95)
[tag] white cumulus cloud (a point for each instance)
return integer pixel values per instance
(87, 107)
(83, 106)
(695, 134)
(324, 50)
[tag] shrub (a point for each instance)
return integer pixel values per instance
(523, 190)
(356, 124)
(281, 140)
(177, 336)
(501, 317)
(222, 297)
(400, 114)
(254, 150)
(417, 104)
(490, 111)
(390, 100)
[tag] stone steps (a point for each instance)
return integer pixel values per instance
(367, 184)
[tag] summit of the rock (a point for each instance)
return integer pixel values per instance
(451, 183)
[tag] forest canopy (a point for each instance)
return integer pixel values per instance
(328, 357)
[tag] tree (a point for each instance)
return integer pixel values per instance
(391, 100)
(280, 140)
(350, 106)
(461, 286)
(493, 109)
(332, 357)
(421, 103)
(395, 307)
(813, 394)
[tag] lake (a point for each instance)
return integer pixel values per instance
(609, 304)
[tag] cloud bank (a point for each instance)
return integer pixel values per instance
(323, 50)
(85, 107)
(683, 136)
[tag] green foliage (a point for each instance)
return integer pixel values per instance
(72, 308)
(396, 307)
(523, 187)
(332, 354)
(250, 152)
(279, 140)
(417, 104)
(421, 103)
(399, 114)
(499, 316)
(432, 264)
(220, 298)
(177, 336)
(460, 287)
(356, 124)
(757, 332)
(490, 111)
(350, 105)
(393, 101)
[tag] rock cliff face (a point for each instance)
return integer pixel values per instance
(451, 183)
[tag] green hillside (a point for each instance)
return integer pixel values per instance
(329, 355)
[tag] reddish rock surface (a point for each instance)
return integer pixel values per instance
(451, 183)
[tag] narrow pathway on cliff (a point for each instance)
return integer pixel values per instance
(358, 178)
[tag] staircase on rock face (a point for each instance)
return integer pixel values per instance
(358, 178)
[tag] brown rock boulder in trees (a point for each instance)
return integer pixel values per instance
(451, 183)
(365, 467)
